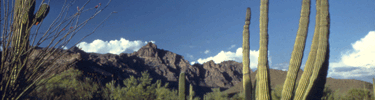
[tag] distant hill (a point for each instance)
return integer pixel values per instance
(278, 77)
(166, 66)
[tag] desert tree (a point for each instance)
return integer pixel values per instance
(18, 41)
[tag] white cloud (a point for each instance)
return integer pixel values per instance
(235, 56)
(192, 63)
(207, 51)
(232, 46)
(359, 62)
(112, 46)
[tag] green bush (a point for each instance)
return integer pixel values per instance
(139, 89)
(68, 85)
(216, 95)
(358, 94)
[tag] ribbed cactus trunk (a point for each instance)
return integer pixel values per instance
(191, 92)
(23, 20)
(263, 76)
(297, 54)
(322, 52)
(245, 57)
(181, 86)
(305, 78)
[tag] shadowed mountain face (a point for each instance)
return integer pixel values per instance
(161, 65)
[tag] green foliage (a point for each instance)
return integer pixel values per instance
(238, 96)
(139, 89)
(69, 85)
(357, 94)
(216, 95)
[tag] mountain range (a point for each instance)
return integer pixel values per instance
(166, 66)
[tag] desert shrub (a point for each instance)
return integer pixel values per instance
(139, 89)
(357, 94)
(238, 96)
(276, 92)
(68, 85)
(216, 95)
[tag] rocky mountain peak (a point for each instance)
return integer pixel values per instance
(149, 50)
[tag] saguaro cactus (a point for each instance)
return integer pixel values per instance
(305, 78)
(297, 54)
(23, 20)
(191, 92)
(245, 57)
(323, 48)
(263, 77)
(181, 86)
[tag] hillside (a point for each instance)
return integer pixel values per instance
(165, 66)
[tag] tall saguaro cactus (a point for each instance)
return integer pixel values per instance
(323, 48)
(297, 54)
(263, 76)
(245, 57)
(23, 20)
(181, 86)
(305, 78)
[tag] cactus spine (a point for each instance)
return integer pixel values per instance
(263, 78)
(191, 92)
(181, 86)
(297, 54)
(23, 20)
(245, 57)
(323, 50)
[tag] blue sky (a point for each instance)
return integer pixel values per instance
(203, 30)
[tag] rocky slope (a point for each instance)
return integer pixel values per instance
(160, 64)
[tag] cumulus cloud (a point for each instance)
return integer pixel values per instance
(235, 56)
(112, 46)
(358, 62)
(207, 51)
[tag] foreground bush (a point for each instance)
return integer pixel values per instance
(68, 85)
(139, 89)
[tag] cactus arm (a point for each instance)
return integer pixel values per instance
(245, 57)
(323, 49)
(305, 78)
(263, 76)
(181, 86)
(297, 54)
(191, 92)
(41, 13)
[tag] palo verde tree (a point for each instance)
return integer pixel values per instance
(18, 77)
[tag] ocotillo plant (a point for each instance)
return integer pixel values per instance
(297, 54)
(263, 76)
(23, 20)
(18, 76)
(245, 57)
(181, 86)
